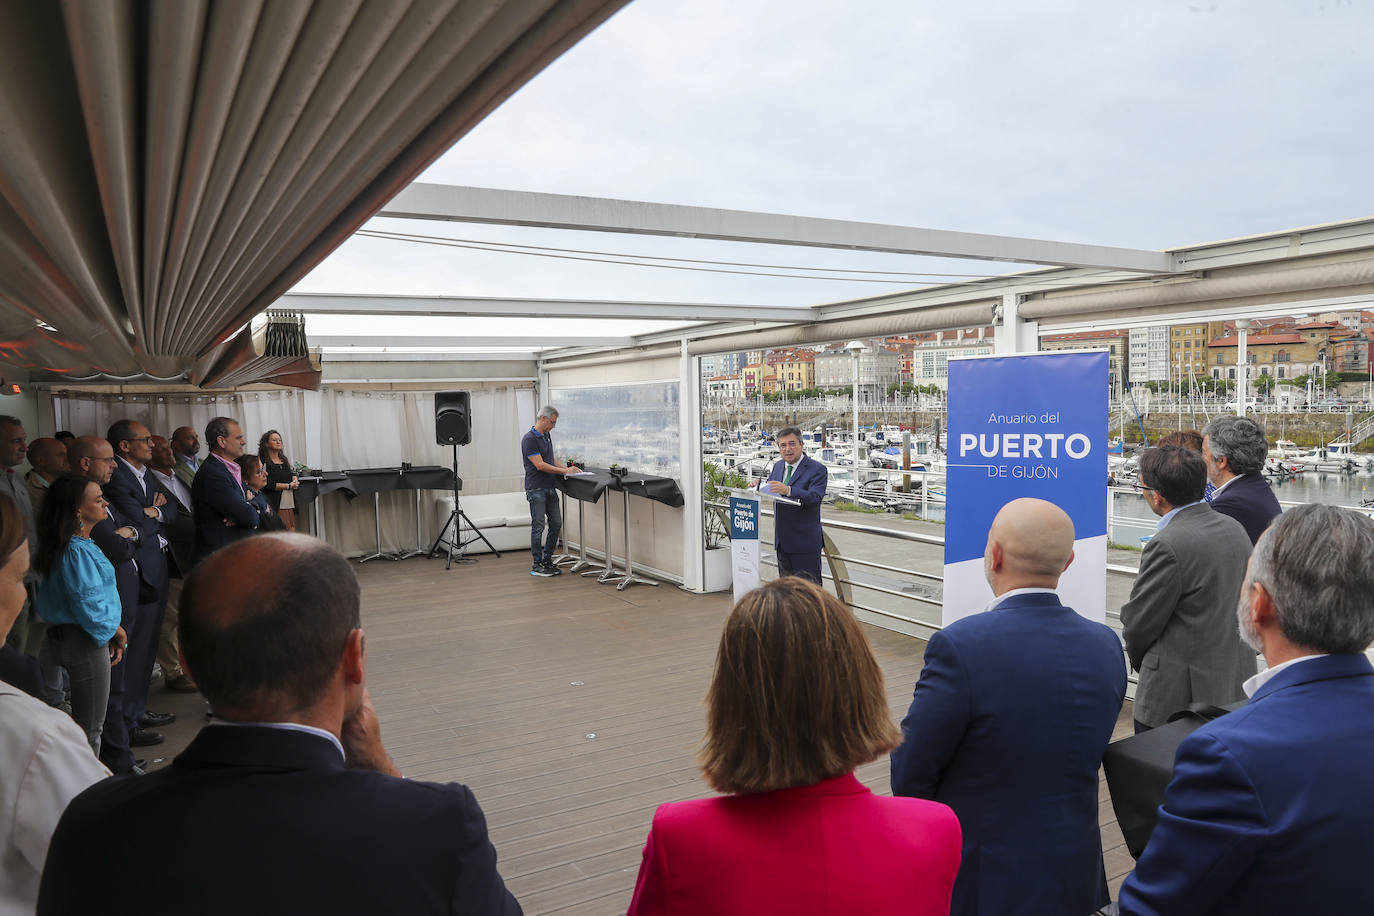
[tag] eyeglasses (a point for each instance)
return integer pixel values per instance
(1138, 487)
(140, 439)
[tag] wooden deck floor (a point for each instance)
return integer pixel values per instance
(571, 710)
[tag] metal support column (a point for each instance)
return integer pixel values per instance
(583, 562)
(630, 578)
(378, 554)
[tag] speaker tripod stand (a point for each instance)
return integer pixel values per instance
(456, 518)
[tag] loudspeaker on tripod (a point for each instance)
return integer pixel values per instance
(453, 417)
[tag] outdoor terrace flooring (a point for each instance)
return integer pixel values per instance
(472, 671)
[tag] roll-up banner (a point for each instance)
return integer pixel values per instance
(744, 543)
(1034, 425)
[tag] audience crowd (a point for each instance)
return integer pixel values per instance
(134, 550)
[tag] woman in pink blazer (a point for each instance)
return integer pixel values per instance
(796, 703)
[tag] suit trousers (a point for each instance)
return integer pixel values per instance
(115, 752)
(806, 565)
(138, 663)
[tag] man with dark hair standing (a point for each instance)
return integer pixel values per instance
(1177, 624)
(1268, 809)
(13, 450)
(218, 502)
(291, 784)
(1234, 449)
(1008, 723)
(541, 491)
(134, 496)
(797, 529)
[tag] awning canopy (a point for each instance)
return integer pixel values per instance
(168, 170)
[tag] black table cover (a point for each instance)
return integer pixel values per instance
(366, 481)
(313, 487)
(660, 489)
(587, 489)
(429, 477)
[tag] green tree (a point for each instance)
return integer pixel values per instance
(1264, 384)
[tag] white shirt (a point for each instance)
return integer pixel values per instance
(1018, 591)
(1217, 491)
(45, 762)
(1257, 681)
(139, 472)
(173, 483)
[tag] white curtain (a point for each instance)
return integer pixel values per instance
(378, 429)
(256, 411)
(359, 429)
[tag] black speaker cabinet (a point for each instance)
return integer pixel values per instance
(452, 417)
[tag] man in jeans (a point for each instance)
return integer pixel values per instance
(536, 453)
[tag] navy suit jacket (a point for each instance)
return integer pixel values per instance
(1269, 807)
(216, 498)
(270, 821)
(797, 529)
(121, 553)
(129, 499)
(1007, 726)
(1251, 501)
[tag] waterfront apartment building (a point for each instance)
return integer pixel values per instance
(1114, 342)
(795, 368)
(1274, 352)
(879, 367)
(720, 365)
(932, 353)
(758, 378)
(1149, 355)
(1188, 350)
(724, 389)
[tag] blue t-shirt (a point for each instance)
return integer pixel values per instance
(536, 443)
(81, 591)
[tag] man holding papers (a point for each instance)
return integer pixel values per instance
(797, 529)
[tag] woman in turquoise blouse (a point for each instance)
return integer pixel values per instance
(78, 598)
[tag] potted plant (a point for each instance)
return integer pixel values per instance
(716, 483)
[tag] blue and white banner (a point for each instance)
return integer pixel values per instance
(1032, 425)
(744, 543)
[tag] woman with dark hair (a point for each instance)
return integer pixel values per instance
(254, 483)
(44, 758)
(281, 480)
(78, 598)
(796, 703)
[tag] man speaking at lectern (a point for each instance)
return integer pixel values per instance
(797, 529)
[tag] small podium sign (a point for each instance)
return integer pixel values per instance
(744, 542)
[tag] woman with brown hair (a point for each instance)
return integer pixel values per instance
(796, 703)
(78, 598)
(282, 482)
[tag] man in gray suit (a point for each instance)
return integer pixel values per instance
(1179, 626)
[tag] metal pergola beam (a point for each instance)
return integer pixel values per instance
(356, 355)
(560, 211)
(459, 306)
(455, 342)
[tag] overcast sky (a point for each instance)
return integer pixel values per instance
(1147, 124)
